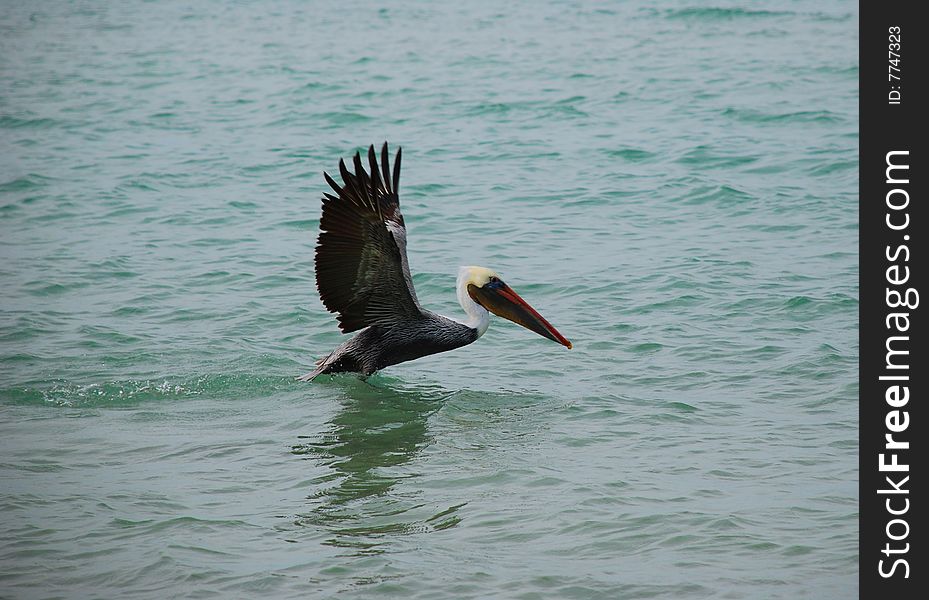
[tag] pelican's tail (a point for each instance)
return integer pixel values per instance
(320, 367)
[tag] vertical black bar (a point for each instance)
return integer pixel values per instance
(894, 370)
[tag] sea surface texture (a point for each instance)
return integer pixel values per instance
(672, 184)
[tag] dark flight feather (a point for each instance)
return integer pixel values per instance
(361, 267)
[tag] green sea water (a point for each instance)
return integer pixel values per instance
(672, 184)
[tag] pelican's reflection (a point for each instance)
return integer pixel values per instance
(378, 431)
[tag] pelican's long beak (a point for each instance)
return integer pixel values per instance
(500, 299)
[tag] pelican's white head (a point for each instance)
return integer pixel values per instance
(479, 318)
(481, 290)
(479, 276)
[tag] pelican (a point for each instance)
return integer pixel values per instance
(362, 274)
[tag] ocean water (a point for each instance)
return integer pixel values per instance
(672, 184)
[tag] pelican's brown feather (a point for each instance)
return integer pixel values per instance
(362, 271)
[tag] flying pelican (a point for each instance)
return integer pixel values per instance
(362, 274)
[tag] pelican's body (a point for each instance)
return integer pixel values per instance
(376, 347)
(362, 274)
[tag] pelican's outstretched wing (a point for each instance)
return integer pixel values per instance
(361, 267)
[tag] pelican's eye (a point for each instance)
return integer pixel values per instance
(494, 279)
